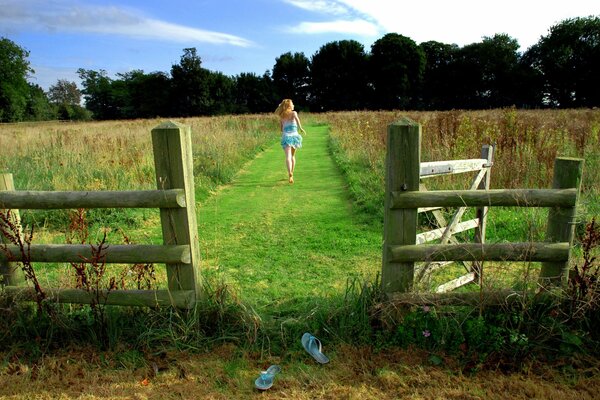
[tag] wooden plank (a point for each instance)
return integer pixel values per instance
(124, 254)
(475, 251)
(456, 283)
(136, 298)
(436, 168)
(434, 234)
(172, 145)
(46, 200)
(10, 272)
(400, 226)
(562, 219)
(428, 209)
(487, 152)
(486, 198)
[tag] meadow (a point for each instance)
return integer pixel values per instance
(117, 155)
(264, 291)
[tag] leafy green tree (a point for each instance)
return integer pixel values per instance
(221, 89)
(254, 94)
(484, 73)
(436, 91)
(397, 66)
(66, 98)
(339, 75)
(291, 76)
(140, 95)
(64, 92)
(98, 94)
(14, 88)
(569, 60)
(191, 94)
(38, 106)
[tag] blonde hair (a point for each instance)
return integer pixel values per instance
(284, 108)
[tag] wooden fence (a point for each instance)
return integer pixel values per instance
(174, 197)
(404, 197)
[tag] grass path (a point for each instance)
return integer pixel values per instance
(276, 242)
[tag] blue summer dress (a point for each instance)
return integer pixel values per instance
(290, 135)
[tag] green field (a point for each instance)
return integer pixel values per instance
(281, 259)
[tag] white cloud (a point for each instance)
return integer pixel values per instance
(68, 16)
(359, 27)
(459, 21)
(320, 6)
(349, 23)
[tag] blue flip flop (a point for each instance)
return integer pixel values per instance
(312, 345)
(266, 378)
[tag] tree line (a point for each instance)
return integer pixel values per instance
(560, 71)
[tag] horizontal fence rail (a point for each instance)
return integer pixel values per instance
(45, 200)
(434, 168)
(135, 298)
(486, 198)
(481, 251)
(112, 254)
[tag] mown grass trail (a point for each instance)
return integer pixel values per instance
(275, 242)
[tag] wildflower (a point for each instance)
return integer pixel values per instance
(426, 309)
(426, 333)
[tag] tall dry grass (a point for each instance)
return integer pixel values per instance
(527, 142)
(117, 155)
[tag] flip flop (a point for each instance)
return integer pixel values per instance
(312, 345)
(266, 378)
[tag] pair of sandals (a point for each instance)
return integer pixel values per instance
(311, 344)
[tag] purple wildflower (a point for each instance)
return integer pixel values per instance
(426, 333)
(426, 309)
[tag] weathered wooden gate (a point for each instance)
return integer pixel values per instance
(404, 198)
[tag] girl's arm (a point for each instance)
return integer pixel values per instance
(298, 122)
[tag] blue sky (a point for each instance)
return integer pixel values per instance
(235, 36)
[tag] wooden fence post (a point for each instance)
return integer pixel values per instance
(402, 174)
(12, 274)
(172, 145)
(561, 220)
(487, 152)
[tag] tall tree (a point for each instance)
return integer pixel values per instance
(436, 91)
(254, 94)
(397, 66)
(485, 73)
(99, 95)
(221, 89)
(38, 106)
(339, 73)
(64, 92)
(291, 76)
(141, 95)
(66, 98)
(191, 95)
(14, 89)
(569, 60)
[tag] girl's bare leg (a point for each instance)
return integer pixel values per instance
(293, 159)
(289, 163)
